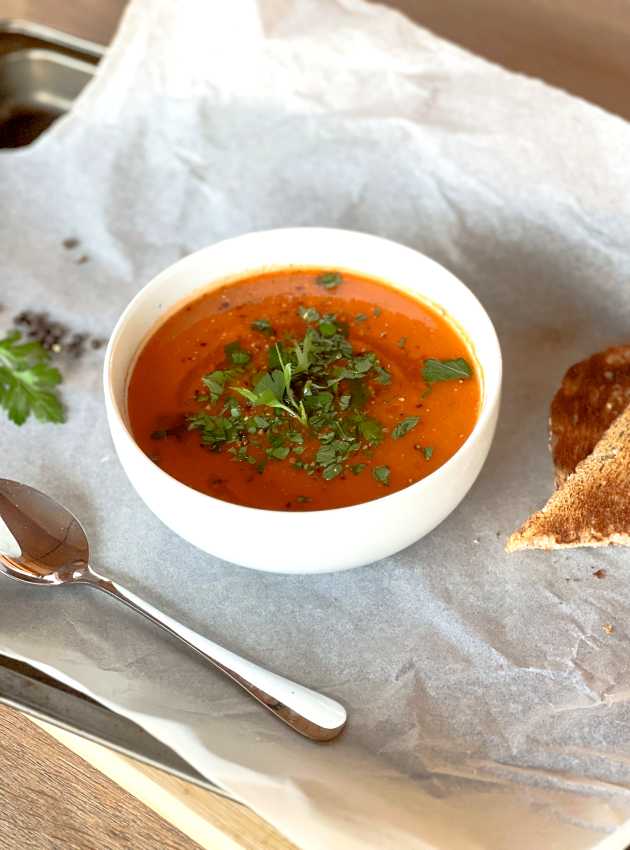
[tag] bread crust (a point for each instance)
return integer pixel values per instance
(592, 507)
(591, 396)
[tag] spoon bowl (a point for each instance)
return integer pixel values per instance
(42, 543)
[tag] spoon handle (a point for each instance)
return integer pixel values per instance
(311, 714)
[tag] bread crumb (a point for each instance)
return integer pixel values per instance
(608, 628)
(601, 573)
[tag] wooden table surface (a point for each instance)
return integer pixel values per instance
(50, 799)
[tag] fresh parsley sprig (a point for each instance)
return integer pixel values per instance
(27, 381)
(274, 390)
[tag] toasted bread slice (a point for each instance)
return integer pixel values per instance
(592, 508)
(592, 395)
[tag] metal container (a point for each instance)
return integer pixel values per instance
(41, 73)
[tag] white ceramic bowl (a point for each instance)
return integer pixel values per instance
(317, 541)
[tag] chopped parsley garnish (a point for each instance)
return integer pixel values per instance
(371, 430)
(215, 382)
(278, 452)
(27, 381)
(405, 427)
(382, 473)
(377, 311)
(215, 430)
(274, 390)
(445, 370)
(308, 406)
(309, 314)
(383, 377)
(327, 328)
(402, 342)
(329, 280)
(237, 355)
(305, 400)
(263, 326)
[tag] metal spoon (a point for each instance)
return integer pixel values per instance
(44, 544)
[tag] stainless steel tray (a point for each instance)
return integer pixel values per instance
(41, 72)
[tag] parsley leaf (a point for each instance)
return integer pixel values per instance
(278, 452)
(445, 370)
(329, 280)
(359, 394)
(344, 402)
(327, 328)
(275, 355)
(263, 326)
(377, 311)
(382, 375)
(236, 354)
(326, 454)
(360, 317)
(405, 426)
(381, 473)
(215, 381)
(371, 430)
(214, 429)
(427, 451)
(274, 390)
(308, 314)
(27, 382)
(303, 353)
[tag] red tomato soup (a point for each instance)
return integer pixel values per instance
(303, 390)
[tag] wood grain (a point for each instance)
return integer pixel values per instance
(50, 799)
(95, 20)
(216, 823)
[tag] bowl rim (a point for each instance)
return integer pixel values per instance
(491, 396)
